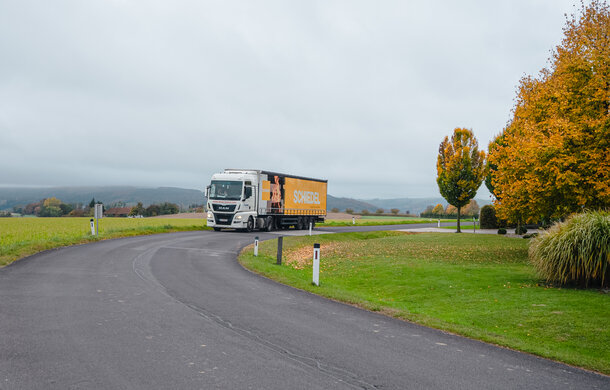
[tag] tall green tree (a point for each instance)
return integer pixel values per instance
(460, 169)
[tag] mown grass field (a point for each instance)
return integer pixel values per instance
(480, 286)
(20, 237)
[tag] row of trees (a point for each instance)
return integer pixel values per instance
(367, 212)
(451, 211)
(53, 207)
(553, 157)
(153, 210)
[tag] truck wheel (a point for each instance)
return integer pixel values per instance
(250, 225)
(299, 225)
(269, 224)
(216, 229)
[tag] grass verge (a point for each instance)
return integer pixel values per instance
(20, 237)
(479, 286)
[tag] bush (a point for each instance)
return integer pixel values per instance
(576, 251)
(334, 210)
(520, 230)
(488, 217)
(349, 211)
(501, 231)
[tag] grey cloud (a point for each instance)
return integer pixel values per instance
(361, 93)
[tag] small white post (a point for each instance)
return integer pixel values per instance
(439, 222)
(310, 228)
(98, 212)
(475, 224)
(255, 246)
(353, 220)
(92, 227)
(316, 264)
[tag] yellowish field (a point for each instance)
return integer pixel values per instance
(21, 237)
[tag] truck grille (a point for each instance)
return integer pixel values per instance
(223, 219)
(223, 207)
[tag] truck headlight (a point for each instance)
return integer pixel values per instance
(210, 215)
(238, 217)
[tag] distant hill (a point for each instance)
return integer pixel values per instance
(183, 197)
(348, 203)
(10, 197)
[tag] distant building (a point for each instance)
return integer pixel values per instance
(117, 212)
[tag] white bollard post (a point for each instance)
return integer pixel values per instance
(92, 227)
(475, 224)
(310, 228)
(255, 246)
(353, 220)
(316, 264)
(439, 223)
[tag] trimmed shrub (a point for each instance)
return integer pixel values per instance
(520, 230)
(576, 251)
(488, 217)
(501, 231)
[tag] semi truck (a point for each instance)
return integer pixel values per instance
(246, 199)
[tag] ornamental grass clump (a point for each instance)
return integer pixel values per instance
(576, 251)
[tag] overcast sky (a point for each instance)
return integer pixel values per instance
(165, 93)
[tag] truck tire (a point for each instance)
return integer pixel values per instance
(269, 224)
(216, 229)
(250, 225)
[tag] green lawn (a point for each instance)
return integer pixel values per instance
(480, 286)
(20, 237)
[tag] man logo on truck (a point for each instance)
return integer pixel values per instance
(306, 197)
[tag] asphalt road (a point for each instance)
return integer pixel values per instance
(176, 311)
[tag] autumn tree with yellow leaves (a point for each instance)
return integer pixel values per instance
(553, 158)
(460, 169)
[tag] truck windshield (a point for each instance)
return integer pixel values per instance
(229, 190)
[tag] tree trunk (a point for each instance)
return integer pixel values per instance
(458, 224)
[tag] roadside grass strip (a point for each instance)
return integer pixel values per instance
(479, 286)
(20, 237)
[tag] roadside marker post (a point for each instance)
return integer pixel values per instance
(316, 264)
(353, 220)
(439, 223)
(475, 224)
(256, 246)
(280, 242)
(310, 228)
(92, 227)
(98, 213)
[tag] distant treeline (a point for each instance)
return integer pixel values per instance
(53, 207)
(470, 210)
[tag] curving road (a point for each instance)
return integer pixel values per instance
(176, 311)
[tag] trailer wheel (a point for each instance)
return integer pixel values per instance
(250, 225)
(269, 224)
(299, 225)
